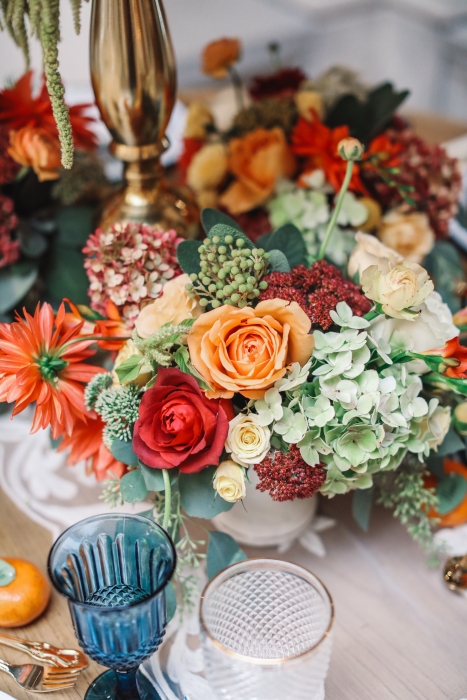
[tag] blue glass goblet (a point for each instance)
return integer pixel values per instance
(113, 569)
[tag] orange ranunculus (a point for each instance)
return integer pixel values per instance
(247, 350)
(319, 143)
(382, 151)
(85, 444)
(35, 147)
(456, 353)
(219, 56)
(257, 160)
(111, 327)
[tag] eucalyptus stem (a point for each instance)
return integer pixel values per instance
(167, 500)
(337, 208)
(238, 87)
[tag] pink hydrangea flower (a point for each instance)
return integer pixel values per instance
(9, 249)
(129, 265)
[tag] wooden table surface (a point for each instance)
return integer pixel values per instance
(399, 633)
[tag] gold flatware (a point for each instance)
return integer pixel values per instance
(41, 651)
(41, 679)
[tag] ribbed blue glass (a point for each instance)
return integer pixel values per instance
(113, 569)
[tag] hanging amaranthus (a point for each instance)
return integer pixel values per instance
(44, 22)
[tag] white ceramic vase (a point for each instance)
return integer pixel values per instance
(261, 522)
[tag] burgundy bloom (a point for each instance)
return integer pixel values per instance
(288, 476)
(317, 291)
(178, 426)
(9, 249)
(283, 83)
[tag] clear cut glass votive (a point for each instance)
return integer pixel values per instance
(266, 632)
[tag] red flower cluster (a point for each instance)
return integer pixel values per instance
(428, 169)
(287, 476)
(317, 290)
(9, 249)
(8, 167)
(283, 83)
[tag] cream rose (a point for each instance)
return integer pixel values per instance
(410, 234)
(208, 167)
(406, 285)
(127, 351)
(247, 440)
(308, 100)
(369, 251)
(431, 329)
(173, 306)
(229, 481)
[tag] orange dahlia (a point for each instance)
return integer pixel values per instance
(85, 444)
(42, 361)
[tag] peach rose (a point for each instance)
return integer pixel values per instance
(208, 167)
(36, 148)
(409, 233)
(174, 306)
(257, 160)
(247, 350)
(219, 56)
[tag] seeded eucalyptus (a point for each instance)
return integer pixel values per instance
(230, 272)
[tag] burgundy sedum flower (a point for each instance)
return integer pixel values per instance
(288, 476)
(283, 83)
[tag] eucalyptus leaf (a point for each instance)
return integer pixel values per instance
(14, 286)
(154, 478)
(122, 450)
(223, 551)
(278, 262)
(451, 444)
(188, 256)
(289, 241)
(362, 504)
(451, 491)
(223, 230)
(444, 265)
(211, 217)
(198, 497)
(132, 487)
(32, 244)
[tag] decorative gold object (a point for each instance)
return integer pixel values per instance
(455, 574)
(134, 80)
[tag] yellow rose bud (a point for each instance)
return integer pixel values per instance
(350, 149)
(125, 353)
(307, 101)
(229, 481)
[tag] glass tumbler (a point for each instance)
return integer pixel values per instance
(266, 632)
(113, 569)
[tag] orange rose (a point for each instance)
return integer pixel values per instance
(37, 148)
(219, 55)
(247, 350)
(258, 160)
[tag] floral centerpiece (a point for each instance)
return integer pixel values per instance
(249, 359)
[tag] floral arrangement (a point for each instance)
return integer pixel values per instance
(248, 359)
(277, 161)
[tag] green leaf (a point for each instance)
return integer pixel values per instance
(129, 369)
(212, 217)
(15, 286)
(197, 496)
(122, 450)
(64, 274)
(451, 444)
(223, 230)
(153, 478)
(74, 225)
(132, 487)
(451, 491)
(382, 102)
(32, 244)
(362, 504)
(444, 265)
(182, 358)
(170, 601)
(278, 262)
(188, 256)
(289, 241)
(223, 551)
(7, 573)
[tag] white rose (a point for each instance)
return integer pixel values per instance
(173, 306)
(370, 251)
(406, 285)
(229, 481)
(431, 329)
(247, 440)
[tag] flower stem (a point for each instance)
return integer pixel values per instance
(238, 87)
(168, 499)
(337, 208)
(106, 338)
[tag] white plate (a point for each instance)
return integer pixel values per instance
(4, 696)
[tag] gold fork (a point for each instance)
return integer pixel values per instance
(41, 651)
(41, 679)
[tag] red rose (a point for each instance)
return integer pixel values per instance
(178, 426)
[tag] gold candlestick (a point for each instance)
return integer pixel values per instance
(134, 80)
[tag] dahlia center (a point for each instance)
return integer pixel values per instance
(50, 367)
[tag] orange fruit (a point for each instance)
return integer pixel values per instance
(457, 516)
(26, 597)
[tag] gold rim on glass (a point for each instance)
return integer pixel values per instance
(266, 563)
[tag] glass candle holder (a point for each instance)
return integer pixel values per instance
(266, 632)
(113, 569)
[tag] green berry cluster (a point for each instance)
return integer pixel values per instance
(230, 273)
